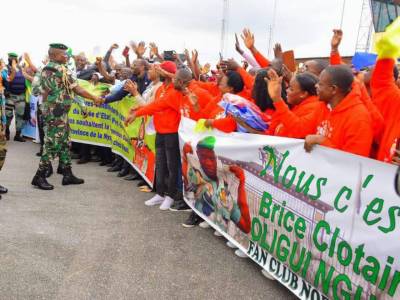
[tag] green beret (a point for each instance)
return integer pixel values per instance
(58, 46)
(13, 54)
(207, 143)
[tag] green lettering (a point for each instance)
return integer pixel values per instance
(305, 188)
(256, 229)
(320, 181)
(273, 158)
(344, 259)
(343, 190)
(292, 170)
(322, 277)
(392, 218)
(281, 252)
(345, 294)
(321, 225)
(371, 272)
(376, 207)
(265, 206)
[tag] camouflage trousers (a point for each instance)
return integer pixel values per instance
(15, 103)
(56, 141)
(3, 151)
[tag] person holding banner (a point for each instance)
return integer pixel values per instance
(57, 86)
(386, 94)
(343, 122)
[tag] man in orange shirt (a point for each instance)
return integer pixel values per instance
(344, 122)
(386, 96)
(170, 101)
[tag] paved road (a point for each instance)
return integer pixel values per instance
(99, 241)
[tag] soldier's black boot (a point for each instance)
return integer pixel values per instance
(60, 169)
(70, 178)
(49, 171)
(40, 181)
(18, 137)
(40, 152)
(8, 133)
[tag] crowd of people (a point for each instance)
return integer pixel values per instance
(326, 103)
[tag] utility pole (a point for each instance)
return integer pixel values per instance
(271, 29)
(224, 28)
(365, 28)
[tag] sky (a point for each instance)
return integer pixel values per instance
(92, 26)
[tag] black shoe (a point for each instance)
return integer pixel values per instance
(103, 163)
(116, 161)
(3, 190)
(40, 181)
(40, 152)
(75, 156)
(192, 221)
(95, 158)
(8, 133)
(115, 168)
(49, 171)
(70, 178)
(132, 177)
(82, 161)
(180, 206)
(123, 172)
(60, 169)
(141, 183)
(18, 137)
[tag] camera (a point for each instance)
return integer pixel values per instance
(169, 55)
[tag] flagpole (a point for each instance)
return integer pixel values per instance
(342, 17)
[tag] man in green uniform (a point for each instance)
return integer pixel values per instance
(57, 86)
(14, 82)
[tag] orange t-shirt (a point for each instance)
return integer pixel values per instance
(386, 97)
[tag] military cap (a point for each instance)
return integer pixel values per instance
(207, 143)
(13, 54)
(58, 46)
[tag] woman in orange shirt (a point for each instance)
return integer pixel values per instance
(303, 100)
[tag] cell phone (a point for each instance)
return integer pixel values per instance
(126, 51)
(221, 58)
(169, 55)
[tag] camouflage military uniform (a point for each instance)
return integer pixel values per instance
(55, 82)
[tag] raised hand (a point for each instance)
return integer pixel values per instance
(131, 87)
(114, 46)
(336, 39)
(154, 49)
(141, 49)
(248, 38)
(274, 84)
(237, 45)
(99, 60)
(195, 56)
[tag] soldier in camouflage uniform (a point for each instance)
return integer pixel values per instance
(57, 86)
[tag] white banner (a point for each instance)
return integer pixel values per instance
(323, 223)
